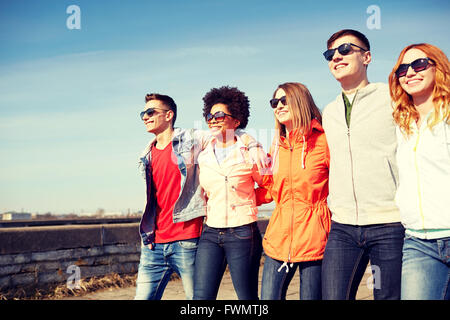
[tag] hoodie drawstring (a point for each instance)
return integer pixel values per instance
(285, 265)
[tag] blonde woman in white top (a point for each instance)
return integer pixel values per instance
(420, 90)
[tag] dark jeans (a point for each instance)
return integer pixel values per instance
(275, 279)
(347, 253)
(241, 248)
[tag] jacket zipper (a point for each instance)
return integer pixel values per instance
(292, 201)
(226, 200)
(418, 180)
(353, 179)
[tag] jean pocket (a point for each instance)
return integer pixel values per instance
(189, 244)
(242, 232)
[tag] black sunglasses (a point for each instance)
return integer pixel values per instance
(417, 65)
(150, 112)
(274, 102)
(343, 49)
(219, 116)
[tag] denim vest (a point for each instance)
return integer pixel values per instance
(186, 144)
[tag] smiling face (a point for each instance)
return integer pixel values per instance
(283, 112)
(220, 129)
(160, 120)
(351, 67)
(418, 84)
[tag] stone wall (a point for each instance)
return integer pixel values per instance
(33, 257)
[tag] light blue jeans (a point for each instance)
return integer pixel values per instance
(425, 269)
(157, 265)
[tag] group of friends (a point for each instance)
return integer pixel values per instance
(366, 181)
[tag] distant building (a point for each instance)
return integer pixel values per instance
(16, 216)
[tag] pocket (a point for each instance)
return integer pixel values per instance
(189, 244)
(392, 173)
(242, 232)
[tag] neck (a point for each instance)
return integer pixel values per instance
(164, 137)
(288, 127)
(423, 105)
(227, 139)
(351, 86)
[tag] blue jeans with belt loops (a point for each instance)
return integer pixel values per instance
(157, 265)
(240, 248)
(426, 269)
(349, 250)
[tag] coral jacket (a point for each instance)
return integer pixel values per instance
(229, 186)
(299, 226)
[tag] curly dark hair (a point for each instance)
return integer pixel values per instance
(236, 101)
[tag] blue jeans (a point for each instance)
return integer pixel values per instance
(348, 252)
(275, 283)
(157, 265)
(240, 248)
(426, 269)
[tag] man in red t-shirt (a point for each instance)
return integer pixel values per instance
(175, 244)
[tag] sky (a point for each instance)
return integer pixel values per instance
(72, 85)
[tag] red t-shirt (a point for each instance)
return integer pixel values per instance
(166, 181)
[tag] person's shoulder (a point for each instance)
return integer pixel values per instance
(380, 88)
(332, 105)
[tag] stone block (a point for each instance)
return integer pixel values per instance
(23, 279)
(5, 282)
(11, 269)
(121, 233)
(39, 239)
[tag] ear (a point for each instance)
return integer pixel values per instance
(367, 58)
(237, 123)
(169, 115)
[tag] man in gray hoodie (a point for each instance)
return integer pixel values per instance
(363, 177)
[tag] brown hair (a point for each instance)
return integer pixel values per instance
(349, 32)
(166, 100)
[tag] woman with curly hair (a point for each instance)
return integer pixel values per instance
(420, 89)
(227, 175)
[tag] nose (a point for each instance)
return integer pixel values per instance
(212, 121)
(279, 106)
(410, 72)
(336, 56)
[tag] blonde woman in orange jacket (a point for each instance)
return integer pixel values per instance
(298, 229)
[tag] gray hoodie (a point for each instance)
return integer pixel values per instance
(363, 171)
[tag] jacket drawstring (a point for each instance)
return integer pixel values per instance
(285, 265)
(303, 153)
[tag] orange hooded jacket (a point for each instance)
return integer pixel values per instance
(299, 226)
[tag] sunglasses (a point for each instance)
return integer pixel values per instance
(219, 116)
(344, 49)
(417, 65)
(150, 112)
(274, 102)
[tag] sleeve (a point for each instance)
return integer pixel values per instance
(202, 137)
(327, 154)
(264, 190)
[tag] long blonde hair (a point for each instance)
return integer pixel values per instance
(301, 104)
(404, 110)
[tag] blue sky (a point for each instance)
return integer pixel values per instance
(70, 134)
